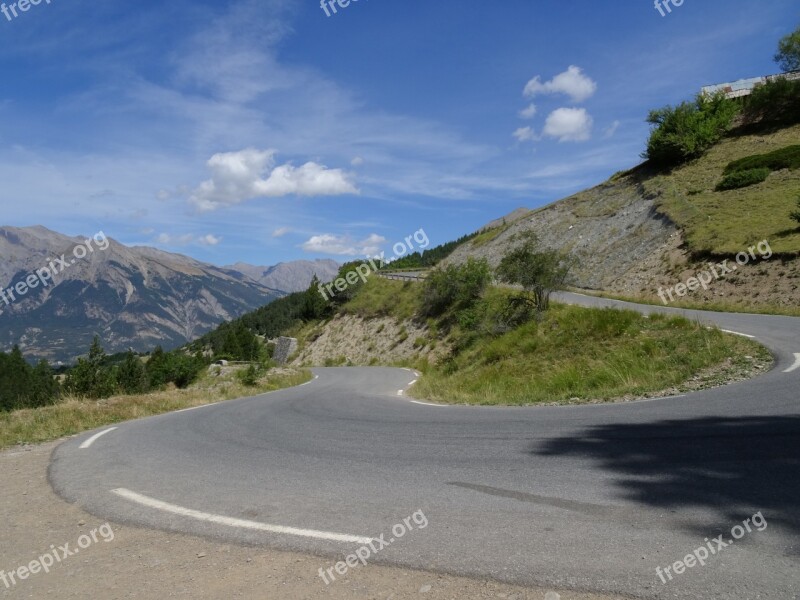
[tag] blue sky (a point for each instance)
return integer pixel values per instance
(265, 131)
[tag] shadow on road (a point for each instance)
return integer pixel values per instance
(735, 466)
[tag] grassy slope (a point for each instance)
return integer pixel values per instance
(74, 415)
(724, 223)
(574, 354)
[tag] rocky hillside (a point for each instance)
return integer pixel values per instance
(131, 296)
(643, 230)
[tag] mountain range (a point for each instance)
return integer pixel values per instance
(132, 297)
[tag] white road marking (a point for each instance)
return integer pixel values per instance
(94, 438)
(233, 522)
(196, 407)
(752, 337)
(428, 404)
(796, 364)
(308, 382)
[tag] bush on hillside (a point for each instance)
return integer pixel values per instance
(540, 273)
(774, 103)
(785, 158)
(456, 287)
(741, 179)
(795, 215)
(685, 132)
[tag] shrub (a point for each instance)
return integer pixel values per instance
(795, 215)
(539, 272)
(684, 132)
(741, 179)
(249, 376)
(455, 287)
(774, 103)
(785, 158)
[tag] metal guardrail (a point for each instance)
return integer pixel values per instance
(401, 277)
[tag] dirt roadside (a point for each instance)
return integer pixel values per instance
(140, 563)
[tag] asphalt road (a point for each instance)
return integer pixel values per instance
(585, 497)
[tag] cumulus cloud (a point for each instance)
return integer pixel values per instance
(343, 245)
(528, 112)
(572, 82)
(251, 173)
(524, 134)
(569, 125)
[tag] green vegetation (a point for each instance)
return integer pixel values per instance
(788, 55)
(785, 158)
(454, 288)
(539, 272)
(575, 354)
(742, 179)
(724, 223)
(429, 258)
(777, 103)
(23, 386)
(685, 132)
(73, 415)
(795, 215)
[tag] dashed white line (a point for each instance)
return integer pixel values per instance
(94, 438)
(233, 522)
(796, 364)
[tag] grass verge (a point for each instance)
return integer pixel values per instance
(581, 354)
(74, 415)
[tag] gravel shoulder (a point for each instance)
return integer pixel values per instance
(140, 563)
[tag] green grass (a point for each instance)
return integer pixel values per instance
(724, 223)
(785, 158)
(75, 415)
(578, 354)
(381, 297)
(488, 235)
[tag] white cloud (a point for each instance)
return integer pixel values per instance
(611, 130)
(251, 173)
(343, 245)
(572, 82)
(529, 112)
(569, 125)
(280, 232)
(524, 134)
(210, 240)
(187, 239)
(357, 161)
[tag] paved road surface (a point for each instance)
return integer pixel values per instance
(589, 497)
